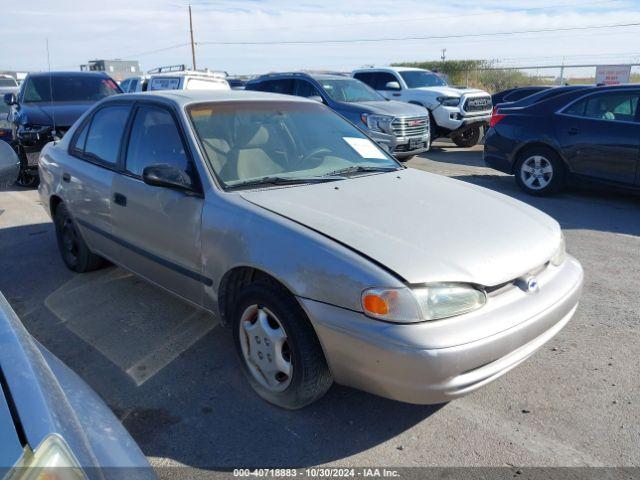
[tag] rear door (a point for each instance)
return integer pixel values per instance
(158, 228)
(600, 135)
(89, 171)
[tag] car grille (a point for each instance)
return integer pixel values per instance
(410, 127)
(477, 104)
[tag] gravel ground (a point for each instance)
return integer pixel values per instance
(172, 377)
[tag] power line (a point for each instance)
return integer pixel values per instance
(430, 37)
(430, 17)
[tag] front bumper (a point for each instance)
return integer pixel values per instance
(452, 118)
(435, 362)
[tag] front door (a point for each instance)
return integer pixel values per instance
(158, 228)
(600, 135)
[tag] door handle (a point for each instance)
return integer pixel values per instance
(396, 94)
(120, 199)
(66, 177)
(574, 131)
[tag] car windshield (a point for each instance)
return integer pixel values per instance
(418, 78)
(68, 88)
(249, 143)
(349, 90)
(8, 82)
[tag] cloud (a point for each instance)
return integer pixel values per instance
(79, 31)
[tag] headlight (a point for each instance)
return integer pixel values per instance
(561, 253)
(52, 459)
(449, 101)
(377, 123)
(421, 303)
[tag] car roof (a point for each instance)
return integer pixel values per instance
(313, 75)
(393, 69)
(68, 74)
(187, 97)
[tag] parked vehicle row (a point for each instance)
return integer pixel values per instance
(403, 129)
(579, 134)
(300, 248)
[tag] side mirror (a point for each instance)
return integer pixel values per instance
(317, 98)
(10, 98)
(163, 175)
(9, 165)
(392, 86)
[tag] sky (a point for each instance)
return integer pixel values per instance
(156, 32)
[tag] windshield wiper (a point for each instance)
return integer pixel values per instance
(360, 168)
(278, 180)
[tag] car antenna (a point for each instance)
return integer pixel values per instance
(53, 114)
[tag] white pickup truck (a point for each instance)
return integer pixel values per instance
(457, 113)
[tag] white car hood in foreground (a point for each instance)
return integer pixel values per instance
(422, 226)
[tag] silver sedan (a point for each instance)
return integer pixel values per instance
(328, 259)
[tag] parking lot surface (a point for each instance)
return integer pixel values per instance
(171, 375)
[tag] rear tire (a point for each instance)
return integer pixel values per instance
(540, 171)
(468, 138)
(278, 348)
(73, 249)
(28, 178)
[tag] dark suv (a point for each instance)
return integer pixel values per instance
(46, 105)
(402, 128)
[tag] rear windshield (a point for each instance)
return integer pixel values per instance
(8, 82)
(68, 88)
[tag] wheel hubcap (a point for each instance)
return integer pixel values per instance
(265, 348)
(536, 172)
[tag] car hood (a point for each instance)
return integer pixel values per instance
(392, 107)
(452, 91)
(65, 114)
(422, 226)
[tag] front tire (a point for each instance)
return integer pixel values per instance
(539, 171)
(467, 138)
(73, 249)
(279, 351)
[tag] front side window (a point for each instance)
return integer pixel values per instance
(105, 134)
(155, 140)
(246, 141)
(381, 79)
(68, 88)
(350, 90)
(620, 106)
(419, 78)
(306, 89)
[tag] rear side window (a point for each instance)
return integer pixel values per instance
(620, 106)
(284, 86)
(155, 139)
(105, 134)
(124, 86)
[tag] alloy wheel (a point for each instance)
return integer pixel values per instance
(265, 348)
(70, 240)
(536, 172)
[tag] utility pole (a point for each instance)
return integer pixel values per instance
(443, 57)
(193, 45)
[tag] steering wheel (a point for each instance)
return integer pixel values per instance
(313, 153)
